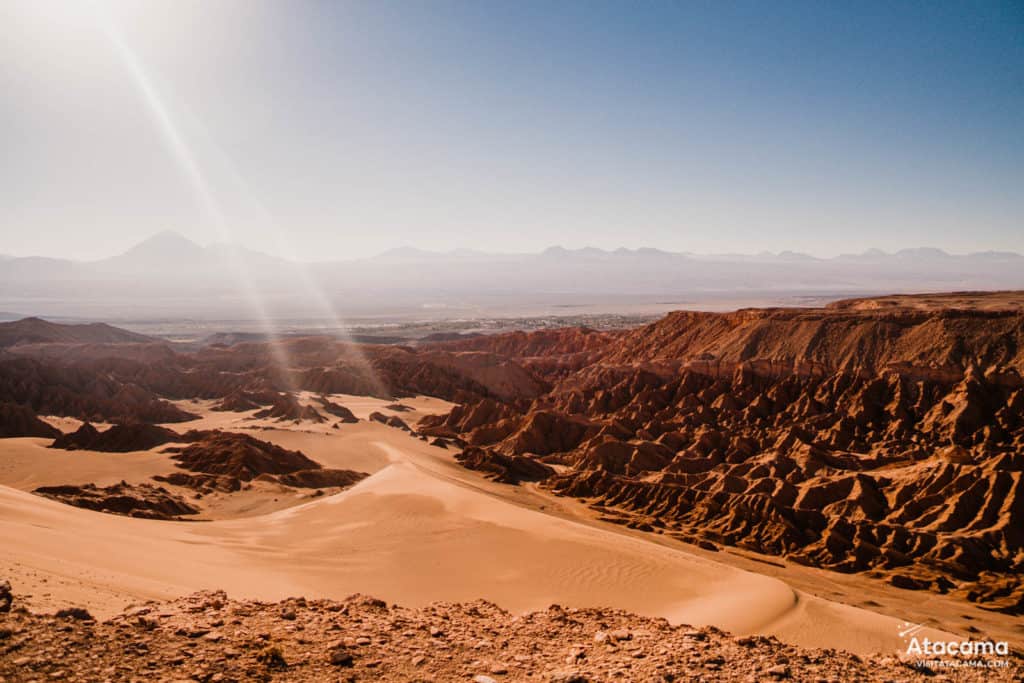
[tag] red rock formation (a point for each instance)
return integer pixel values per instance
(455, 376)
(237, 401)
(389, 420)
(287, 408)
(117, 439)
(510, 469)
(566, 340)
(19, 420)
(134, 500)
(321, 478)
(240, 456)
(204, 483)
(337, 410)
(82, 392)
(806, 341)
(466, 418)
(124, 381)
(852, 439)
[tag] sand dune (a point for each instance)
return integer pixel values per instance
(419, 530)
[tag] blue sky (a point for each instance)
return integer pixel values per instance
(334, 129)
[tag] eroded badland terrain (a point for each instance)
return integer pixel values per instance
(800, 478)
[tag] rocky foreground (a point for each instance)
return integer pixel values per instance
(207, 637)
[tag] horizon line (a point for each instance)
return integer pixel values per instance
(553, 248)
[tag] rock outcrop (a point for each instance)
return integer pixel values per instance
(19, 420)
(238, 401)
(511, 469)
(321, 478)
(286, 407)
(239, 456)
(344, 415)
(85, 391)
(117, 439)
(202, 483)
(389, 420)
(134, 500)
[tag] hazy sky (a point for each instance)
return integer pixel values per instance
(339, 129)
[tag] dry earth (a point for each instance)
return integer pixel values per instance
(206, 637)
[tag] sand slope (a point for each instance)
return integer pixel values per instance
(417, 531)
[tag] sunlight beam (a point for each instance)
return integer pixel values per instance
(186, 162)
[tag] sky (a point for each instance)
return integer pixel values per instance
(321, 130)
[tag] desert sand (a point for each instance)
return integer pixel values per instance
(420, 529)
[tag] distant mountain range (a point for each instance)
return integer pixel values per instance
(169, 275)
(413, 255)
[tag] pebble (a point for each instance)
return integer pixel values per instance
(340, 656)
